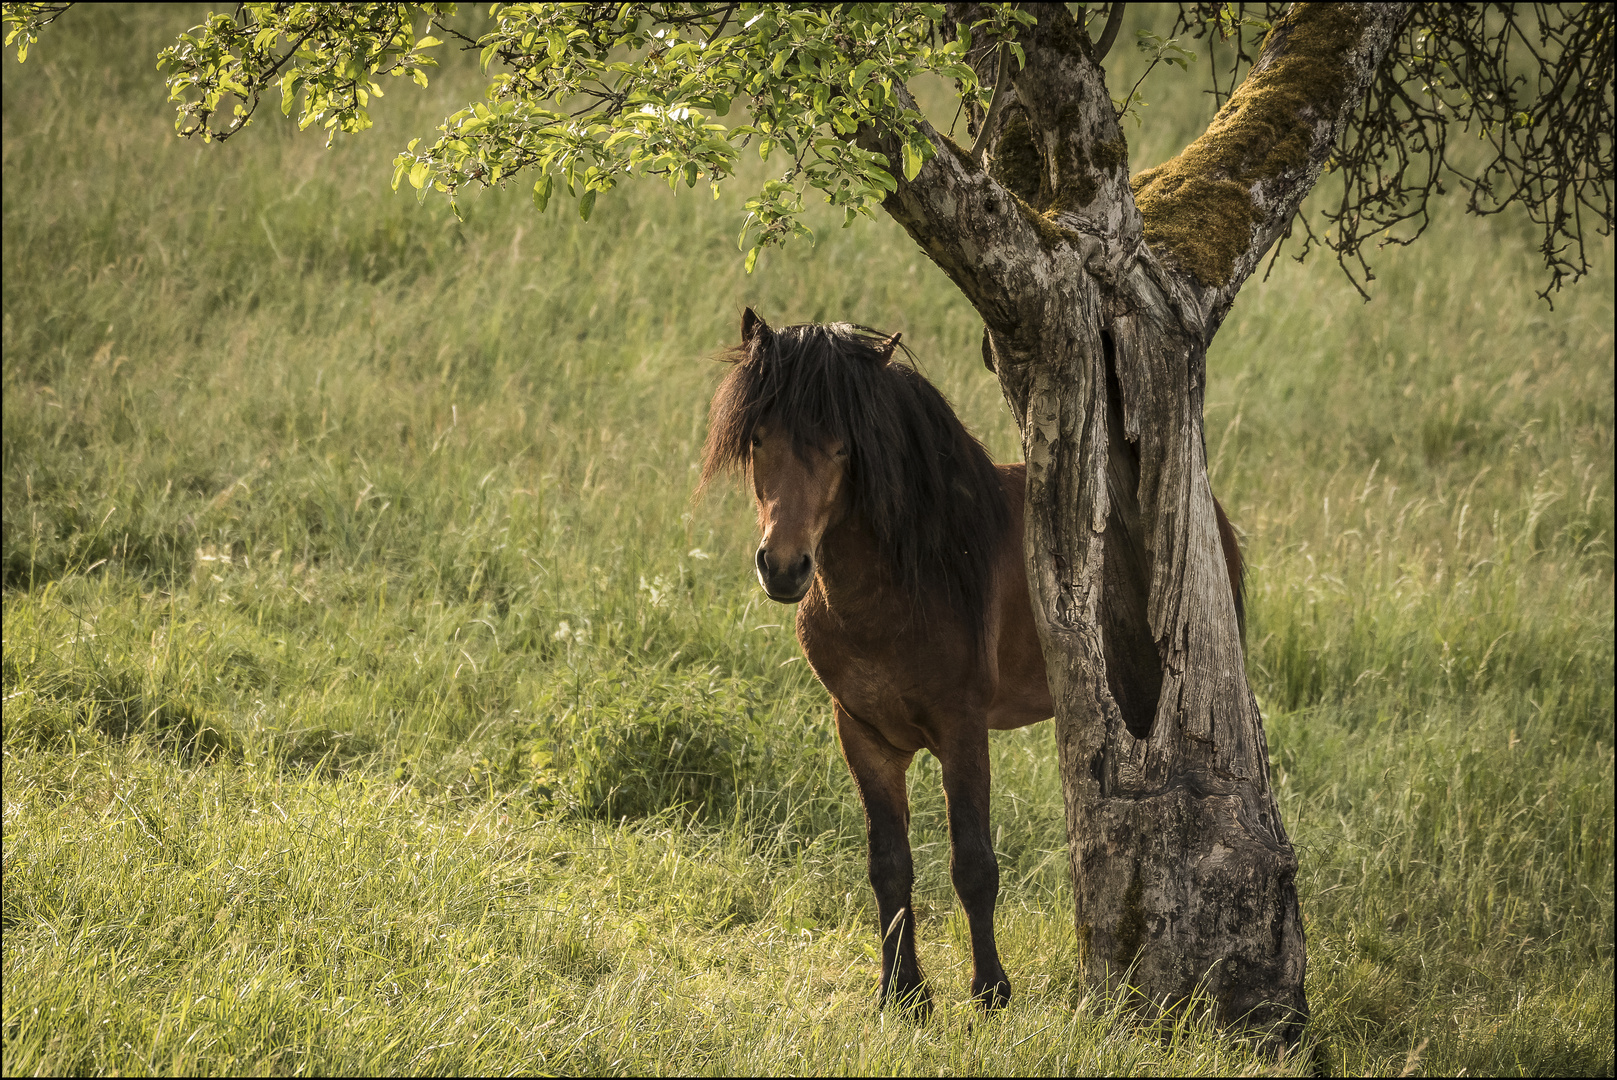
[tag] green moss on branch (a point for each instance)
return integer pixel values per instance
(1018, 164)
(1199, 205)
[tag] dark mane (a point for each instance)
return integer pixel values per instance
(925, 486)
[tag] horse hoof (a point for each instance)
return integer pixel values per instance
(991, 996)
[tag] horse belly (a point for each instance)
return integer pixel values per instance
(1022, 694)
(1012, 714)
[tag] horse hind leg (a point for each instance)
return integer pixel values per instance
(878, 772)
(972, 864)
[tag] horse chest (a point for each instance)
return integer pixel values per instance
(891, 681)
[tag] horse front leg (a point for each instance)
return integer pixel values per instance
(878, 772)
(972, 864)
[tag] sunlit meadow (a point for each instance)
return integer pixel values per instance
(378, 699)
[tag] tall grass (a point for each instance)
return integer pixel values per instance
(377, 698)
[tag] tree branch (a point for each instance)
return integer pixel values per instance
(729, 9)
(966, 222)
(1114, 21)
(1057, 174)
(1082, 155)
(983, 57)
(996, 105)
(1216, 208)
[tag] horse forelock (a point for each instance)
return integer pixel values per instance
(925, 486)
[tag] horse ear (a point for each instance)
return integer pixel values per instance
(885, 349)
(752, 326)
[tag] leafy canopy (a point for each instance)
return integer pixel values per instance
(582, 95)
(586, 94)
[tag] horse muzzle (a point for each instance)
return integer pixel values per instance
(785, 584)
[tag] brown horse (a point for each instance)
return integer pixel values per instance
(901, 543)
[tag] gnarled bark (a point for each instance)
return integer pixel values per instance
(1099, 298)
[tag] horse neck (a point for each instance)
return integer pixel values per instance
(853, 571)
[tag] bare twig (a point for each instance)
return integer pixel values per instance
(729, 9)
(1114, 21)
(996, 105)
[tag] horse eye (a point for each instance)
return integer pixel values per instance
(756, 442)
(840, 452)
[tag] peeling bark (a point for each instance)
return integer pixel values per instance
(1098, 316)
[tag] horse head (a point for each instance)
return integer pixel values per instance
(801, 492)
(786, 423)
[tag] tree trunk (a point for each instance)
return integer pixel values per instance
(1183, 876)
(1099, 300)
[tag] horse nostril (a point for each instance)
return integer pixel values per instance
(788, 575)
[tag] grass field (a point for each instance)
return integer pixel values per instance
(378, 700)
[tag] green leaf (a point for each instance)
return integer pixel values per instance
(586, 203)
(752, 258)
(289, 91)
(912, 160)
(541, 193)
(418, 174)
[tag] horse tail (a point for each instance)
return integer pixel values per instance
(1235, 565)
